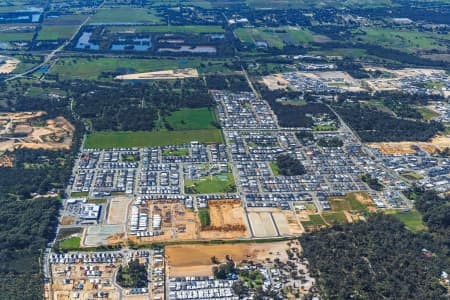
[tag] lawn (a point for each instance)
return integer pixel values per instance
(412, 219)
(56, 32)
(125, 15)
(211, 184)
(175, 152)
(71, 243)
(91, 68)
(110, 139)
(205, 219)
(79, 194)
(164, 29)
(192, 118)
(334, 217)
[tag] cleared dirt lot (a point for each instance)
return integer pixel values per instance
(262, 224)
(9, 64)
(437, 143)
(118, 207)
(227, 221)
(32, 130)
(160, 75)
(268, 222)
(195, 260)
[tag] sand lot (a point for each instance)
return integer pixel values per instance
(227, 221)
(160, 75)
(439, 142)
(118, 207)
(262, 224)
(29, 130)
(195, 260)
(9, 65)
(269, 222)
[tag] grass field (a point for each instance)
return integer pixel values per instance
(402, 39)
(79, 194)
(274, 166)
(125, 15)
(105, 140)
(71, 243)
(205, 219)
(163, 29)
(192, 118)
(56, 32)
(412, 219)
(427, 114)
(16, 36)
(334, 217)
(275, 37)
(91, 68)
(211, 185)
(66, 20)
(314, 220)
(175, 152)
(349, 202)
(412, 176)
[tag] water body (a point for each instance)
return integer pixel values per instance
(83, 42)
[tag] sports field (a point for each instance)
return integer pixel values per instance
(223, 183)
(105, 140)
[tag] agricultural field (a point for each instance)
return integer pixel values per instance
(16, 36)
(56, 32)
(105, 140)
(275, 37)
(192, 118)
(125, 15)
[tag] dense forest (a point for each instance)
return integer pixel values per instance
(331, 142)
(377, 259)
(297, 115)
(376, 126)
(134, 275)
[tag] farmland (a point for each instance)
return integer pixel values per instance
(56, 32)
(125, 15)
(275, 37)
(165, 29)
(104, 140)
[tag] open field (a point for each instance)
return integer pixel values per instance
(16, 36)
(275, 37)
(403, 39)
(192, 118)
(56, 32)
(90, 69)
(226, 220)
(198, 262)
(269, 222)
(161, 75)
(412, 219)
(356, 202)
(71, 243)
(427, 113)
(25, 130)
(125, 15)
(164, 29)
(437, 143)
(105, 140)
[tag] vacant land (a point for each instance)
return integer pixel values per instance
(118, 207)
(71, 243)
(192, 118)
(164, 29)
(125, 15)
(90, 69)
(9, 64)
(198, 262)
(275, 37)
(412, 219)
(437, 143)
(357, 202)
(56, 32)
(105, 140)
